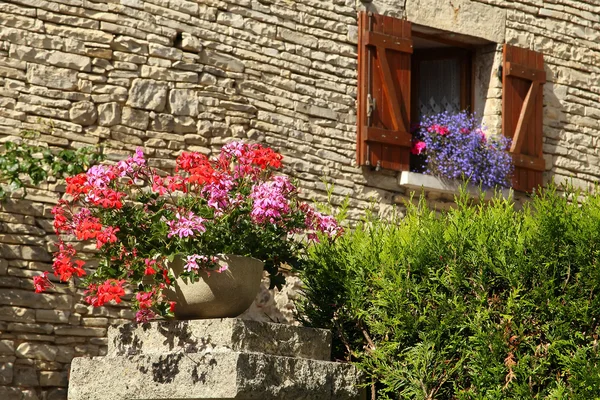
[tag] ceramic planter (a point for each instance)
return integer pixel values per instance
(217, 295)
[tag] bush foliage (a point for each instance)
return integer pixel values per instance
(481, 302)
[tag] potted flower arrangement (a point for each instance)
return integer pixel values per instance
(215, 223)
(455, 146)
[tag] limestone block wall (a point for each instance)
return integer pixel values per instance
(171, 75)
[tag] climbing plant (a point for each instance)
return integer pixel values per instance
(22, 163)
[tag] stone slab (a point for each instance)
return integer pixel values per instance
(211, 375)
(219, 334)
(459, 16)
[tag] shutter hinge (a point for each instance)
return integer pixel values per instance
(370, 105)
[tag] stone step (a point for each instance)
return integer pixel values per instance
(199, 336)
(211, 375)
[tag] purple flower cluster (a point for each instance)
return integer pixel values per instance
(185, 226)
(271, 199)
(456, 147)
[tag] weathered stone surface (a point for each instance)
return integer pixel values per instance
(6, 374)
(7, 347)
(163, 123)
(109, 114)
(221, 60)
(57, 394)
(24, 375)
(130, 44)
(17, 314)
(56, 58)
(57, 78)
(183, 102)
(134, 118)
(190, 42)
(53, 378)
(228, 333)
(15, 297)
(184, 124)
(459, 16)
(222, 375)
(11, 393)
(37, 351)
(148, 94)
(83, 113)
(55, 316)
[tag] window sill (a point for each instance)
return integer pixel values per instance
(432, 184)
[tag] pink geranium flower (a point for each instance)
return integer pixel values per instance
(418, 147)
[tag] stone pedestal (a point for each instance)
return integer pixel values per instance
(214, 359)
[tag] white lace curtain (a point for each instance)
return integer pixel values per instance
(439, 87)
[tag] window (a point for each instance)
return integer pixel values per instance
(406, 72)
(441, 81)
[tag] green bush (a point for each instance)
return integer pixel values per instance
(481, 302)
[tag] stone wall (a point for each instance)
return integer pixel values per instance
(170, 75)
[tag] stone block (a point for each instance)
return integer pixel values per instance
(184, 124)
(170, 53)
(163, 123)
(19, 314)
(55, 316)
(190, 43)
(53, 378)
(183, 102)
(24, 375)
(148, 94)
(7, 347)
(6, 373)
(459, 16)
(52, 77)
(218, 375)
(83, 113)
(109, 114)
(133, 118)
(221, 60)
(37, 351)
(10, 393)
(130, 45)
(225, 334)
(57, 394)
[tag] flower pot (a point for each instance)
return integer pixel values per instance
(217, 295)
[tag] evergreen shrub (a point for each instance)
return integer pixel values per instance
(481, 302)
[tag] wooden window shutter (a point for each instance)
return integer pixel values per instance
(384, 58)
(523, 77)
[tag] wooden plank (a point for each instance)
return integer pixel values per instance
(389, 42)
(396, 138)
(527, 111)
(524, 72)
(529, 162)
(362, 90)
(390, 87)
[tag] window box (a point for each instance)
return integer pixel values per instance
(432, 184)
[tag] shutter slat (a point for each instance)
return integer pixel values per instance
(524, 72)
(384, 50)
(522, 109)
(397, 138)
(388, 42)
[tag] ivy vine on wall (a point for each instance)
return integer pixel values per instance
(23, 163)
